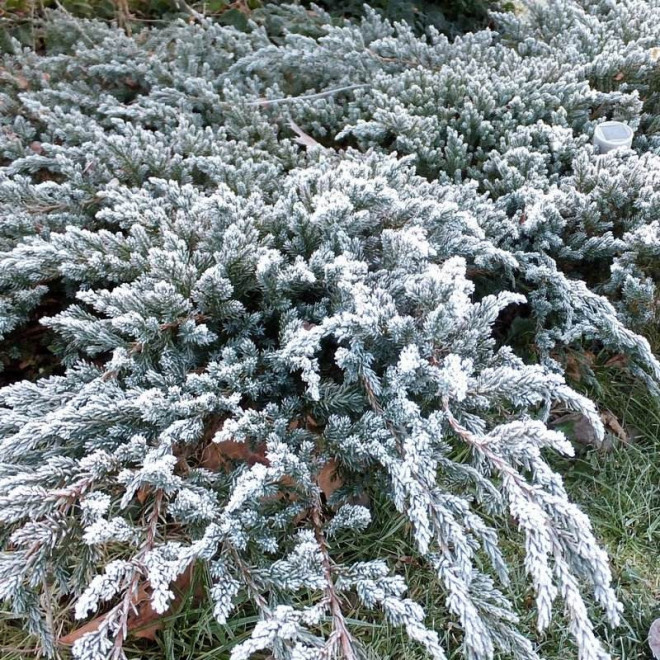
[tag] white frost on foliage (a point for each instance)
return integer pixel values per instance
(241, 319)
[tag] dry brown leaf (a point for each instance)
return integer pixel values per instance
(182, 464)
(573, 368)
(212, 458)
(144, 622)
(589, 358)
(312, 424)
(301, 137)
(142, 494)
(577, 428)
(407, 559)
(327, 478)
(576, 364)
(620, 361)
(76, 634)
(217, 455)
(612, 423)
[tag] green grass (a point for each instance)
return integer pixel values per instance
(620, 490)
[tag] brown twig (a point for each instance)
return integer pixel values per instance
(182, 5)
(124, 15)
(481, 444)
(128, 601)
(340, 631)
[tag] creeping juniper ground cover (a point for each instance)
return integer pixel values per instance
(290, 275)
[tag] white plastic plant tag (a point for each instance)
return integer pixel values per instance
(612, 135)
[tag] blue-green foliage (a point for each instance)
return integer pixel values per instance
(295, 253)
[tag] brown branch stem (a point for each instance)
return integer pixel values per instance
(123, 610)
(340, 630)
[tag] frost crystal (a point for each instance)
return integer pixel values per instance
(251, 333)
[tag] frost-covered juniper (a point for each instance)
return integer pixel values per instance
(286, 254)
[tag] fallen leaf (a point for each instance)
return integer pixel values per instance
(407, 559)
(612, 423)
(142, 494)
(182, 464)
(312, 424)
(577, 428)
(144, 622)
(576, 364)
(217, 455)
(83, 630)
(301, 137)
(109, 375)
(14, 78)
(327, 479)
(620, 361)
(573, 368)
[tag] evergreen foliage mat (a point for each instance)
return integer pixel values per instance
(289, 271)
